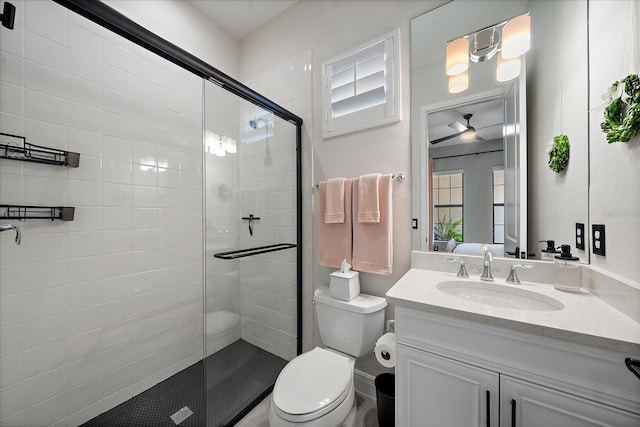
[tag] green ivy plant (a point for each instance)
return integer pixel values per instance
(559, 153)
(622, 115)
(447, 228)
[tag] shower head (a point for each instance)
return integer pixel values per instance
(255, 123)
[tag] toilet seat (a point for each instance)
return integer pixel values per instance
(312, 385)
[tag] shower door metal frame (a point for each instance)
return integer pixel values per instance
(111, 19)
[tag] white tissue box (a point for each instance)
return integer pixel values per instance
(344, 286)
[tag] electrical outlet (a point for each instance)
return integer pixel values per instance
(580, 236)
(597, 233)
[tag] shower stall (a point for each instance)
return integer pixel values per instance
(251, 223)
(158, 277)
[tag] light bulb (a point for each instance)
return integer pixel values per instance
(457, 56)
(459, 83)
(229, 144)
(468, 134)
(507, 69)
(516, 37)
(232, 146)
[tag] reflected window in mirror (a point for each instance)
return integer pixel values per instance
(448, 208)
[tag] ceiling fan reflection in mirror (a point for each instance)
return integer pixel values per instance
(465, 132)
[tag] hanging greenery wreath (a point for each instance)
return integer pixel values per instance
(622, 115)
(558, 153)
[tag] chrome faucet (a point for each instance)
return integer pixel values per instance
(486, 265)
(462, 273)
(513, 276)
(5, 227)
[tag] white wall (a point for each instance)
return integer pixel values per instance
(329, 28)
(96, 310)
(614, 168)
(563, 25)
(266, 188)
(185, 26)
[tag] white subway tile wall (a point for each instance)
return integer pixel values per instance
(99, 309)
(269, 287)
(259, 179)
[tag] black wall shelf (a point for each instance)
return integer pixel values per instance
(241, 253)
(21, 212)
(28, 152)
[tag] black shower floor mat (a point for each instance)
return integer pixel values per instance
(217, 390)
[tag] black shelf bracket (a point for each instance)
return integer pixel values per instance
(21, 212)
(28, 152)
(241, 253)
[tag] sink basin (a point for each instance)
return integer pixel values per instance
(499, 295)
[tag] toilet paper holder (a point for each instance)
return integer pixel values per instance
(390, 326)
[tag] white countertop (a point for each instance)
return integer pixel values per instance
(585, 319)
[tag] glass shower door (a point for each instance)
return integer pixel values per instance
(250, 252)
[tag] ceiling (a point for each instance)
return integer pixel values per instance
(488, 119)
(241, 17)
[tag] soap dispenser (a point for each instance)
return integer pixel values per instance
(550, 251)
(567, 271)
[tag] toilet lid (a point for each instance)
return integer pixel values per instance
(314, 381)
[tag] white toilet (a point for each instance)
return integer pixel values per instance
(316, 388)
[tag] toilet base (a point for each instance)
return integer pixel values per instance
(351, 418)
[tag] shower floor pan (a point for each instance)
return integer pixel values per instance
(235, 377)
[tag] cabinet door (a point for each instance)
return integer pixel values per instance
(525, 404)
(435, 391)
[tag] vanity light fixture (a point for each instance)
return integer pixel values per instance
(516, 37)
(511, 39)
(457, 56)
(459, 83)
(219, 146)
(507, 69)
(230, 145)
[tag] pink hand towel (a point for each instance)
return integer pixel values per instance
(335, 240)
(368, 198)
(334, 201)
(373, 243)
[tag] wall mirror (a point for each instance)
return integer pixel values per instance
(495, 187)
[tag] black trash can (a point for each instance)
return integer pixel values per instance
(386, 399)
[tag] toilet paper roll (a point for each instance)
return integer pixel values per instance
(385, 350)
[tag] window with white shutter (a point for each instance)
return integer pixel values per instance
(361, 87)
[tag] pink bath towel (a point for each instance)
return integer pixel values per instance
(334, 202)
(368, 198)
(373, 243)
(335, 240)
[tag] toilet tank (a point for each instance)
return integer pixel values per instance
(351, 327)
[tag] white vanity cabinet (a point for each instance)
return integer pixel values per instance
(435, 391)
(455, 372)
(526, 404)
